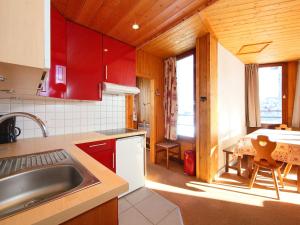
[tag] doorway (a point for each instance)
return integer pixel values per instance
(142, 104)
(141, 112)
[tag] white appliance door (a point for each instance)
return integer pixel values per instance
(130, 163)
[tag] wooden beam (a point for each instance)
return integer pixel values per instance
(206, 108)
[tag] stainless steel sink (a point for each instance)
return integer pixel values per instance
(30, 180)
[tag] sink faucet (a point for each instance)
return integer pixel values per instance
(41, 124)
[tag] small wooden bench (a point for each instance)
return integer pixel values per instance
(171, 148)
(229, 151)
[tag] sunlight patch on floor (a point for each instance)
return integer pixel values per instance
(263, 191)
(164, 187)
(205, 191)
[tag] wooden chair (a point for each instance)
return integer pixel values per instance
(289, 166)
(264, 147)
(170, 147)
(287, 169)
(283, 127)
(238, 167)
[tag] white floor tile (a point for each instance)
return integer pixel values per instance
(133, 217)
(174, 218)
(138, 195)
(155, 208)
(123, 205)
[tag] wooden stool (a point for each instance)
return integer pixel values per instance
(169, 147)
(238, 167)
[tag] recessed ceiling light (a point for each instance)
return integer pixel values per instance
(135, 26)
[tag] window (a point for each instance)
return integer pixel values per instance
(270, 94)
(185, 94)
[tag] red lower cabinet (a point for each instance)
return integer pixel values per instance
(103, 151)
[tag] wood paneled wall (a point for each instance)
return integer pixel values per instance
(130, 123)
(151, 67)
(291, 89)
(143, 106)
(206, 108)
(187, 145)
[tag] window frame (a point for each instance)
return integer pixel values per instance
(284, 92)
(178, 57)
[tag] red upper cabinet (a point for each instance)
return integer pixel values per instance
(55, 84)
(118, 62)
(84, 63)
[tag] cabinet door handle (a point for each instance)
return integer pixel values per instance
(96, 145)
(113, 160)
(106, 72)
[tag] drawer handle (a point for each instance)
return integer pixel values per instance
(106, 72)
(96, 145)
(113, 160)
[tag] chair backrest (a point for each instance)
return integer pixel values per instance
(283, 127)
(264, 147)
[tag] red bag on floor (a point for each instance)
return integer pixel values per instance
(190, 162)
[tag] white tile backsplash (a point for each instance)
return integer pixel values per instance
(65, 116)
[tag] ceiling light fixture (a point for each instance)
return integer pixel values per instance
(135, 26)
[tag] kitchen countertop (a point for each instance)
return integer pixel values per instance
(72, 205)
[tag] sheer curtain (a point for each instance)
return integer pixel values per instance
(296, 112)
(252, 95)
(170, 98)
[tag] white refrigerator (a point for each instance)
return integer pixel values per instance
(130, 161)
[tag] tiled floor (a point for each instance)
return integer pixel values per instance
(145, 207)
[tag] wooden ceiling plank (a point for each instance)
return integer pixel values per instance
(170, 13)
(101, 20)
(244, 20)
(72, 10)
(115, 17)
(238, 6)
(240, 22)
(178, 39)
(89, 10)
(131, 15)
(172, 44)
(275, 28)
(178, 32)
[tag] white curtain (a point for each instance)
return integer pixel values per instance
(252, 95)
(296, 112)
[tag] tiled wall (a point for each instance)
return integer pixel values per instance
(65, 116)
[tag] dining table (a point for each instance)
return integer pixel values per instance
(287, 149)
